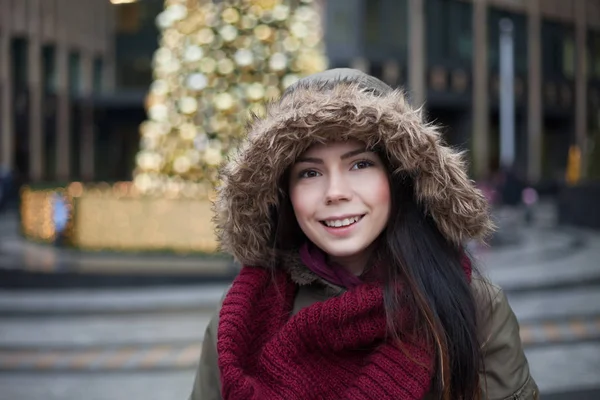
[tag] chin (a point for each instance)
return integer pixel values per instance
(343, 251)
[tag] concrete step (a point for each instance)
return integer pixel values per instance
(149, 354)
(111, 300)
(102, 331)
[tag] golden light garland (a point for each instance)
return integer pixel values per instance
(217, 63)
(117, 217)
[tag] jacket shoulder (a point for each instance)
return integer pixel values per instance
(505, 372)
(207, 382)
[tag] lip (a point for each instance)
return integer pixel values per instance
(345, 230)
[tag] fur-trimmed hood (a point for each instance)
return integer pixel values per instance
(357, 106)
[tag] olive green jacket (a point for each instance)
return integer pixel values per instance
(506, 374)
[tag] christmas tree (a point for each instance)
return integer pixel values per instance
(217, 63)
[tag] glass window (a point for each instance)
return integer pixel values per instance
(342, 25)
(568, 56)
(49, 69)
(136, 43)
(558, 50)
(449, 32)
(98, 75)
(385, 29)
(596, 59)
(343, 30)
(462, 15)
(74, 73)
(19, 62)
(589, 66)
(395, 28)
(372, 23)
(594, 55)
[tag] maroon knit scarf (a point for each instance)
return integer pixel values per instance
(335, 349)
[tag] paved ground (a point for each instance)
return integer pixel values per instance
(143, 343)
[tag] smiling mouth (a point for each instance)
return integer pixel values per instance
(342, 223)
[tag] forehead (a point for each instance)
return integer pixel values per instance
(333, 148)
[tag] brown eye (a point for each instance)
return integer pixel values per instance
(308, 174)
(362, 164)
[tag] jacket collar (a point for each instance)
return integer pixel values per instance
(302, 276)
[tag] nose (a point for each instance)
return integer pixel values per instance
(338, 189)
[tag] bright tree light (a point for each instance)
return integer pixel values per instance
(216, 64)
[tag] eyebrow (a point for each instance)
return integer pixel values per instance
(343, 157)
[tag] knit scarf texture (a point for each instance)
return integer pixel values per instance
(332, 349)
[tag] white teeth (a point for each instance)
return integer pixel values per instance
(339, 223)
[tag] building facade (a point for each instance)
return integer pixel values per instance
(73, 75)
(54, 56)
(446, 54)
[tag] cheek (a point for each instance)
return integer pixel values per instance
(379, 192)
(301, 202)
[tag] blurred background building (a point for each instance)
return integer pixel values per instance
(447, 53)
(55, 57)
(74, 73)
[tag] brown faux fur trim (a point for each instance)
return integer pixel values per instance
(303, 276)
(321, 111)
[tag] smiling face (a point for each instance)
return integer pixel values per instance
(340, 194)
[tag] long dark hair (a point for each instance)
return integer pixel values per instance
(420, 259)
(437, 291)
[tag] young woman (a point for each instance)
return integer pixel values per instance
(349, 216)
